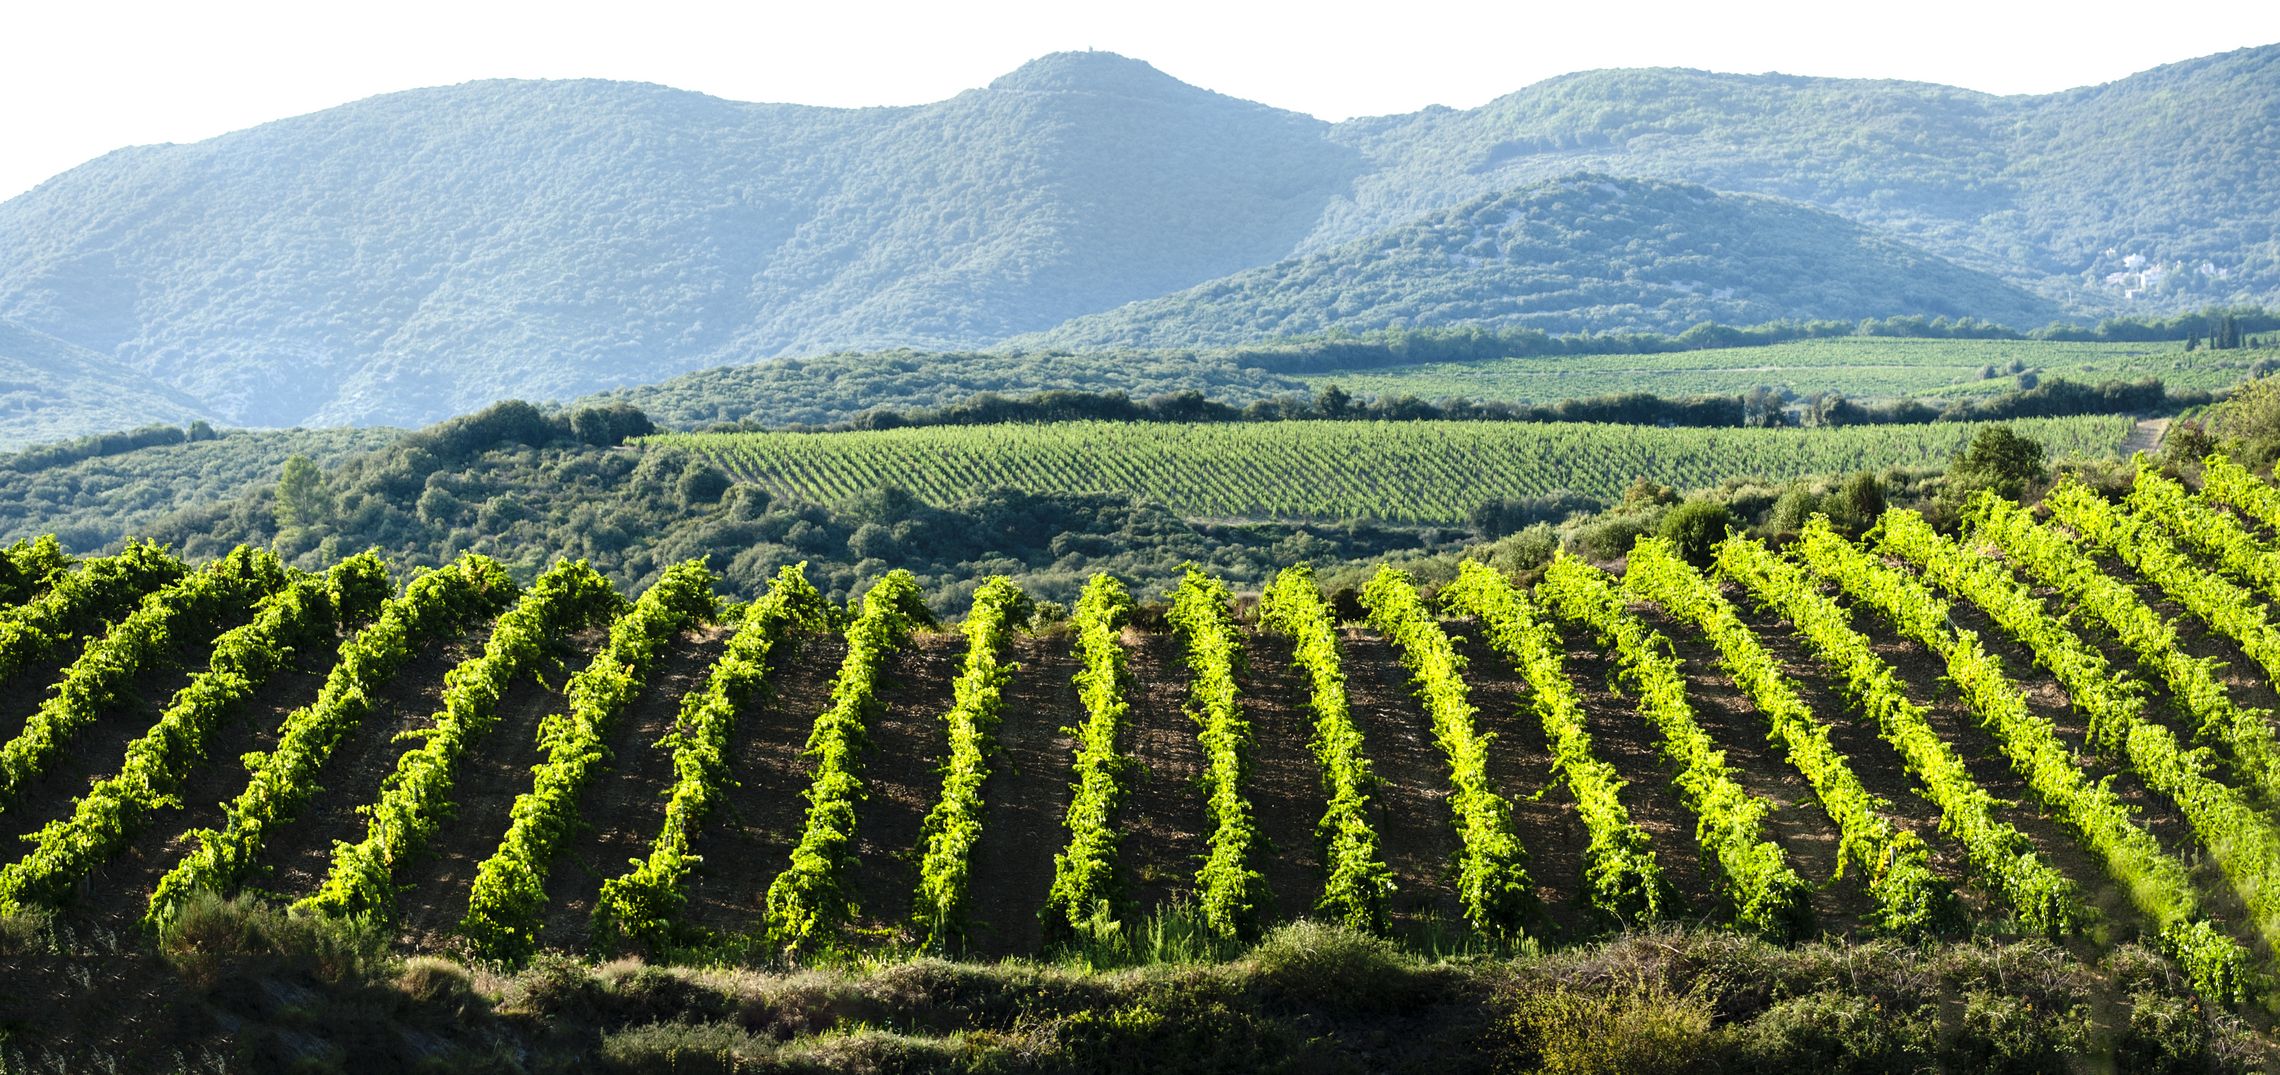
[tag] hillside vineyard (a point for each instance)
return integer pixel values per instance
(1408, 471)
(2057, 725)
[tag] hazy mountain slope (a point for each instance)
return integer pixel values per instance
(51, 390)
(2172, 164)
(2175, 166)
(1580, 253)
(422, 253)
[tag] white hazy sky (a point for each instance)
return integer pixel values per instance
(80, 79)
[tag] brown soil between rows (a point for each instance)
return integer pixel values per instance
(115, 894)
(1284, 782)
(1922, 675)
(2048, 699)
(434, 885)
(1163, 815)
(1878, 765)
(1026, 800)
(96, 750)
(2163, 817)
(1797, 822)
(2193, 638)
(2154, 812)
(1520, 769)
(1629, 742)
(622, 806)
(902, 777)
(2246, 682)
(749, 836)
(1410, 807)
(296, 855)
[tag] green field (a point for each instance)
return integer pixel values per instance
(1413, 472)
(1863, 368)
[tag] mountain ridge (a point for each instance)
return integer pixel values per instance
(1584, 252)
(419, 254)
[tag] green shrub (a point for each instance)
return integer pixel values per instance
(1696, 527)
(213, 938)
(1998, 460)
(1642, 1028)
(2166, 1033)
(25, 932)
(1525, 552)
(687, 1047)
(435, 980)
(1856, 506)
(1610, 534)
(1833, 1033)
(702, 484)
(2006, 1034)
(1791, 510)
(1331, 964)
(558, 987)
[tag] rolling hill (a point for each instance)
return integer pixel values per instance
(420, 254)
(2138, 194)
(1578, 254)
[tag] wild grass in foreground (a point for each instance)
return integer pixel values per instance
(239, 986)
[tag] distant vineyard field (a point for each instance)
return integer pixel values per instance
(1862, 368)
(1411, 472)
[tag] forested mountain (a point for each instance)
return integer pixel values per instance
(2145, 193)
(424, 253)
(1578, 254)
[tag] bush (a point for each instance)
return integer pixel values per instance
(559, 987)
(2004, 1033)
(440, 984)
(1789, 513)
(1330, 964)
(745, 501)
(1696, 527)
(1507, 515)
(2166, 1033)
(702, 484)
(1611, 534)
(1637, 1029)
(684, 1047)
(1046, 615)
(2247, 425)
(25, 933)
(1998, 460)
(1524, 552)
(1643, 493)
(1859, 503)
(610, 426)
(1839, 1033)
(214, 938)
